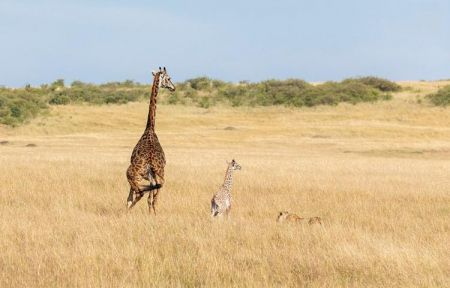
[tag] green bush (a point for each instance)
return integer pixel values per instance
(378, 83)
(58, 84)
(293, 92)
(77, 84)
(200, 83)
(18, 105)
(124, 84)
(173, 98)
(441, 97)
(59, 99)
(204, 102)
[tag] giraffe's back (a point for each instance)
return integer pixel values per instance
(148, 153)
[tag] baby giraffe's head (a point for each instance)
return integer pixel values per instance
(234, 165)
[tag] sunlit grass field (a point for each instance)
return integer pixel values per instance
(378, 175)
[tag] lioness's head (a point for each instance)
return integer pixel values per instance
(282, 216)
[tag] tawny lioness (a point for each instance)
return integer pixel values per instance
(287, 217)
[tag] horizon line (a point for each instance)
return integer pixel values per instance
(210, 78)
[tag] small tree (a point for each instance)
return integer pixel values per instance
(75, 84)
(58, 84)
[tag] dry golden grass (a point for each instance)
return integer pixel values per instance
(378, 174)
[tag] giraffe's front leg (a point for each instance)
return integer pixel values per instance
(138, 197)
(135, 193)
(130, 198)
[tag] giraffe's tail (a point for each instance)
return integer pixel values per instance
(148, 188)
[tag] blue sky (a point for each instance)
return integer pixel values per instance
(99, 41)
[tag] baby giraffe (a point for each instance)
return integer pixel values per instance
(221, 201)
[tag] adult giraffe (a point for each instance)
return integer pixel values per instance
(147, 159)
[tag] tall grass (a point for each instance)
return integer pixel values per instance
(376, 173)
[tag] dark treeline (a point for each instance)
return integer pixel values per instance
(18, 105)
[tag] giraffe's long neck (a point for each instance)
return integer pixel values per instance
(228, 182)
(152, 107)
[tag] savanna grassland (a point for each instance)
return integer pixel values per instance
(377, 173)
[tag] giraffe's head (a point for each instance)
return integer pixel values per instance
(234, 165)
(164, 79)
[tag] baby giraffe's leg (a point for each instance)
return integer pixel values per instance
(214, 208)
(227, 212)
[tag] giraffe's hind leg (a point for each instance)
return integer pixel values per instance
(150, 201)
(153, 197)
